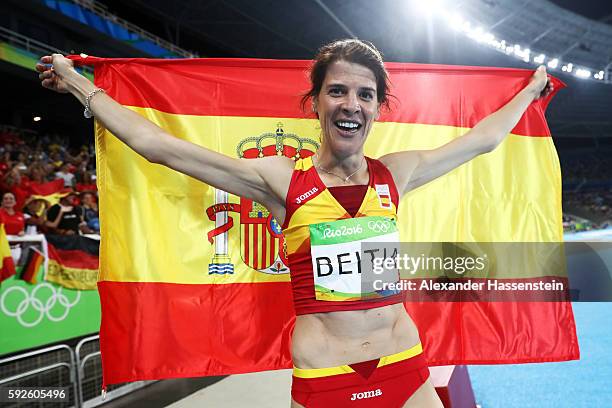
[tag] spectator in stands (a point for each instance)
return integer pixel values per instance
(13, 182)
(37, 173)
(66, 218)
(19, 161)
(5, 161)
(13, 220)
(88, 182)
(90, 207)
(34, 214)
(65, 174)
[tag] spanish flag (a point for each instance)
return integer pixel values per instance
(7, 269)
(51, 191)
(194, 281)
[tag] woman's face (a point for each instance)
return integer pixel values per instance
(8, 200)
(88, 199)
(36, 173)
(347, 106)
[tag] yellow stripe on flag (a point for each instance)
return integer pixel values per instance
(456, 207)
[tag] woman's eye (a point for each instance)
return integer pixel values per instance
(367, 95)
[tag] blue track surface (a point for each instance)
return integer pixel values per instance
(584, 383)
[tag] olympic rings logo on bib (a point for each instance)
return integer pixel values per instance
(43, 307)
(379, 226)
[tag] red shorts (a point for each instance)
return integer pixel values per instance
(385, 382)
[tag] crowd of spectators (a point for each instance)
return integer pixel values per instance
(29, 161)
(594, 166)
(587, 184)
(572, 223)
(46, 185)
(595, 205)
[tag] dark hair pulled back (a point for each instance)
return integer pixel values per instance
(354, 51)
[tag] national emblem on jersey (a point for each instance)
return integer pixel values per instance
(384, 195)
(261, 240)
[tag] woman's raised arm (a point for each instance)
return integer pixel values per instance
(263, 180)
(412, 169)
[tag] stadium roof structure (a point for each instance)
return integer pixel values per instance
(547, 29)
(295, 29)
(576, 45)
(573, 38)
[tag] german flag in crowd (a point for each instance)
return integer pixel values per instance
(73, 261)
(32, 263)
(176, 305)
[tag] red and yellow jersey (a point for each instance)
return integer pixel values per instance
(310, 202)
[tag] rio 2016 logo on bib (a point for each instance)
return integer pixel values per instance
(342, 231)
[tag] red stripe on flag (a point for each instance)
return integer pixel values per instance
(168, 312)
(263, 248)
(255, 244)
(442, 346)
(45, 189)
(74, 258)
(216, 87)
(8, 268)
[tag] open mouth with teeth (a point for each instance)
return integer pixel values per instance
(347, 126)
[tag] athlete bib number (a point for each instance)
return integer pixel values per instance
(338, 261)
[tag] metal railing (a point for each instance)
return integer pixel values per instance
(71, 367)
(29, 44)
(79, 357)
(102, 11)
(80, 364)
(34, 47)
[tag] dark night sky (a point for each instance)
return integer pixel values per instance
(594, 9)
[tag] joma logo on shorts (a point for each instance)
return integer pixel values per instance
(307, 194)
(366, 394)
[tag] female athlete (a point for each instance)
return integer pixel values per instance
(347, 351)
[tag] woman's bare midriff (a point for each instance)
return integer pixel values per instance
(338, 338)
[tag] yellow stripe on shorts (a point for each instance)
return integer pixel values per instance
(345, 369)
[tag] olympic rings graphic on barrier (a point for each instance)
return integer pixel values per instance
(379, 226)
(31, 299)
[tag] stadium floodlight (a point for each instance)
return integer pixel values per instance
(475, 33)
(583, 73)
(523, 54)
(478, 34)
(428, 8)
(488, 38)
(456, 21)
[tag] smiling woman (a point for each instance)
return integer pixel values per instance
(350, 347)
